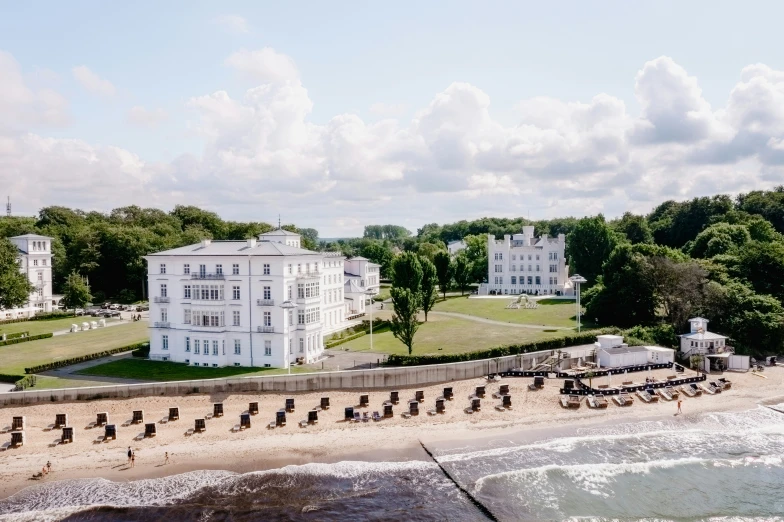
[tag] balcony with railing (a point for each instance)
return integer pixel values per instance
(308, 300)
(266, 329)
(265, 302)
(309, 274)
(205, 275)
(161, 299)
(161, 324)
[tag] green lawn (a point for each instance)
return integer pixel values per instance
(383, 291)
(145, 370)
(45, 382)
(14, 358)
(441, 334)
(551, 312)
(40, 327)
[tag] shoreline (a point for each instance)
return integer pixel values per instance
(535, 416)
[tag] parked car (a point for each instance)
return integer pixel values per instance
(112, 313)
(130, 308)
(114, 307)
(142, 308)
(79, 311)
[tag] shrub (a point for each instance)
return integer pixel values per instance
(25, 339)
(15, 335)
(143, 351)
(4, 377)
(51, 315)
(344, 340)
(28, 381)
(74, 360)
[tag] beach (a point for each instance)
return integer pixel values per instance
(331, 440)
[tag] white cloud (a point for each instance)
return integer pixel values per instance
(387, 110)
(264, 65)
(21, 106)
(233, 23)
(92, 82)
(451, 161)
(142, 117)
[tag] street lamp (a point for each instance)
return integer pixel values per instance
(370, 294)
(287, 305)
(577, 279)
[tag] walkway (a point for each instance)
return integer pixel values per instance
(499, 323)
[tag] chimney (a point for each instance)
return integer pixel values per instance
(205, 243)
(251, 243)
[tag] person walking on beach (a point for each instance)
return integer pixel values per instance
(48, 466)
(133, 459)
(679, 406)
(166, 458)
(130, 454)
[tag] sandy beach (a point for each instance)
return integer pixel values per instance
(330, 440)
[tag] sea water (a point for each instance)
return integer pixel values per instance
(719, 466)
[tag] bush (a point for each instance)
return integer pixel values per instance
(661, 335)
(74, 360)
(25, 339)
(4, 377)
(344, 340)
(51, 315)
(19, 320)
(28, 381)
(143, 351)
(16, 335)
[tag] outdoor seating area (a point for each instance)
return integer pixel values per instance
(570, 401)
(448, 393)
(324, 403)
(102, 419)
(110, 432)
(538, 383)
(245, 421)
(60, 420)
(200, 425)
(67, 435)
(280, 418)
(596, 402)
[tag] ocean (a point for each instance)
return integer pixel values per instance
(712, 467)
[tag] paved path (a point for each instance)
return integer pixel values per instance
(499, 323)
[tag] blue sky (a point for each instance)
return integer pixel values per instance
(378, 61)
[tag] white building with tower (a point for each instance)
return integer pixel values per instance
(262, 302)
(524, 264)
(35, 260)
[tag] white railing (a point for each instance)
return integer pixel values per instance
(162, 299)
(265, 302)
(204, 275)
(161, 324)
(308, 274)
(266, 329)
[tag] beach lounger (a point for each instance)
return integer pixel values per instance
(365, 416)
(349, 414)
(725, 383)
(506, 401)
(174, 414)
(253, 408)
(376, 416)
(405, 415)
(628, 398)
(271, 425)
(645, 396)
(18, 423)
(440, 407)
(591, 402)
(200, 425)
(448, 394)
(388, 411)
(325, 403)
(664, 393)
(60, 420)
(364, 400)
(245, 421)
(150, 430)
(110, 432)
(476, 404)
(413, 407)
(469, 410)
(164, 420)
(673, 392)
(217, 409)
(500, 407)
(17, 439)
(280, 418)
(102, 419)
(620, 401)
(99, 439)
(303, 423)
(697, 389)
(312, 417)
(138, 417)
(717, 387)
(574, 401)
(688, 390)
(189, 432)
(564, 401)
(480, 392)
(67, 436)
(419, 396)
(289, 405)
(394, 397)
(357, 416)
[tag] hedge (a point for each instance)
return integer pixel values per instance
(4, 377)
(587, 337)
(28, 381)
(26, 339)
(379, 326)
(15, 335)
(144, 351)
(74, 360)
(344, 340)
(39, 317)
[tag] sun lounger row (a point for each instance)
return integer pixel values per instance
(596, 401)
(570, 401)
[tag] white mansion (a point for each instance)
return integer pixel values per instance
(521, 264)
(264, 303)
(35, 260)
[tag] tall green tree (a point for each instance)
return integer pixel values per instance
(76, 293)
(405, 324)
(429, 287)
(407, 272)
(635, 228)
(589, 245)
(443, 263)
(15, 287)
(461, 268)
(380, 253)
(762, 264)
(476, 253)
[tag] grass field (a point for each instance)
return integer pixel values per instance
(40, 327)
(441, 334)
(551, 312)
(45, 382)
(14, 358)
(145, 370)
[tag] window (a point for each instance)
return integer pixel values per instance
(268, 348)
(43, 262)
(301, 345)
(237, 347)
(214, 347)
(266, 269)
(35, 262)
(187, 344)
(186, 313)
(289, 291)
(235, 269)
(267, 292)
(300, 316)
(196, 346)
(186, 269)
(202, 270)
(554, 269)
(235, 292)
(537, 268)
(164, 292)
(538, 280)
(514, 280)
(530, 280)
(186, 291)
(499, 268)
(41, 277)
(514, 257)
(537, 257)
(290, 268)
(219, 269)
(529, 266)
(299, 268)
(235, 317)
(305, 290)
(529, 257)
(163, 268)
(291, 317)
(512, 268)
(164, 315)
(165, 342)
(267, 318)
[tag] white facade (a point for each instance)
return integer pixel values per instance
(365, 274)
(35, 260)
(699, 341)
(524, 264)
(456, 246)
(248, 303)
(612, 352)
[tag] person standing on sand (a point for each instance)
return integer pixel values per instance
(130, 454)
(679, 406)
(166, 458)
(48, 466)
(133, 459)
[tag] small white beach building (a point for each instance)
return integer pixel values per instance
(612, 352)
(713, 347)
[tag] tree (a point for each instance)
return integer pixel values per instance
(461, 268)
(76, 293)
(635, 228)
(407, 272)
(589, 245)
(15, 287)
(429, 250)
(762, 264)
(379, 253)
(476, 253)
(444, 266)
(429, 287)
(404, 322)
(721, 238)
(679, 288)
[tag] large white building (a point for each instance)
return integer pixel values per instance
(35, 260)
(265, 302)
(364, 273)
(523, 264)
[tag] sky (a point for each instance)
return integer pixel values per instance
(337, 115)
